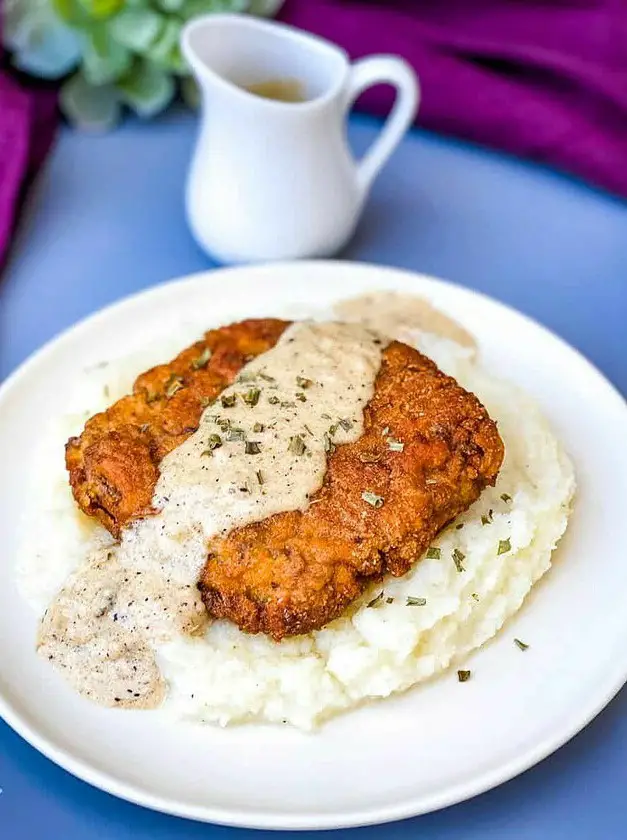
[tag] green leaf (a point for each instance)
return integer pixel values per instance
(170, 5)
(42, 45)
(166, 51)
(102, 9)
(147, 89)
(89, 107)
(161, 49)
(177, 63)
(72, 12)
(193, 8)
(265, 8)
(190, 92)
(104, 60)
(137, 29)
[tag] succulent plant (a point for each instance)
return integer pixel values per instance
(110, 53)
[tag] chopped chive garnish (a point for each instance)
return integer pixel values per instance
(372, 499)
(329, 446)
(205, 401)
(259, 475)
(522, 645)
(236, 434)
(370, 457)
(251, 397)
(333, 429)
(307, 429)
(433, 553)
(458, 556)
(252, 447)
(202, 360)
(258, 427)
(346, 424)
(266, 377)
(301, 397)
(296, 445)
(274, 400)
(174, 384)
(227, 400)
(475, 596)
(486, 519)
(415, 602)
(303, 382)
(326, 416)
(395, 445)
(506, 497)
(376, 600)
(463, 676)
(459, 527)
(214, 441)
(246, 376)
(504, 546)
(389, 600)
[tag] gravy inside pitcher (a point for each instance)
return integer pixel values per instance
(282, 90)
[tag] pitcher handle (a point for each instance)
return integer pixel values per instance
(384, 69)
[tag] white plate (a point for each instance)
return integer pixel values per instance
(431, 747)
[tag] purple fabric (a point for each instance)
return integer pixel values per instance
(27, 123)
(543, 79)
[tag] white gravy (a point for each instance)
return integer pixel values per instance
(259, 449)
(398, 315)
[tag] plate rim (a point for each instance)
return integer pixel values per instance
(260, 819)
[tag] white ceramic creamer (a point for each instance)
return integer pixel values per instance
(274, 180)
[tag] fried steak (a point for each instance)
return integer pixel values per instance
(378, 509)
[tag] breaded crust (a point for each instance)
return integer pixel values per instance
(296, 571)
(114, 464)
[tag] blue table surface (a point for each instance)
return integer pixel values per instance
(106, 219)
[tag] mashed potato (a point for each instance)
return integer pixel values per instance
(474, 577)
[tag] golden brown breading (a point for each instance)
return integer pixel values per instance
(113, 465)
(296, 571)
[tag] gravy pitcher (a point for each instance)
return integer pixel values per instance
(273, 179)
